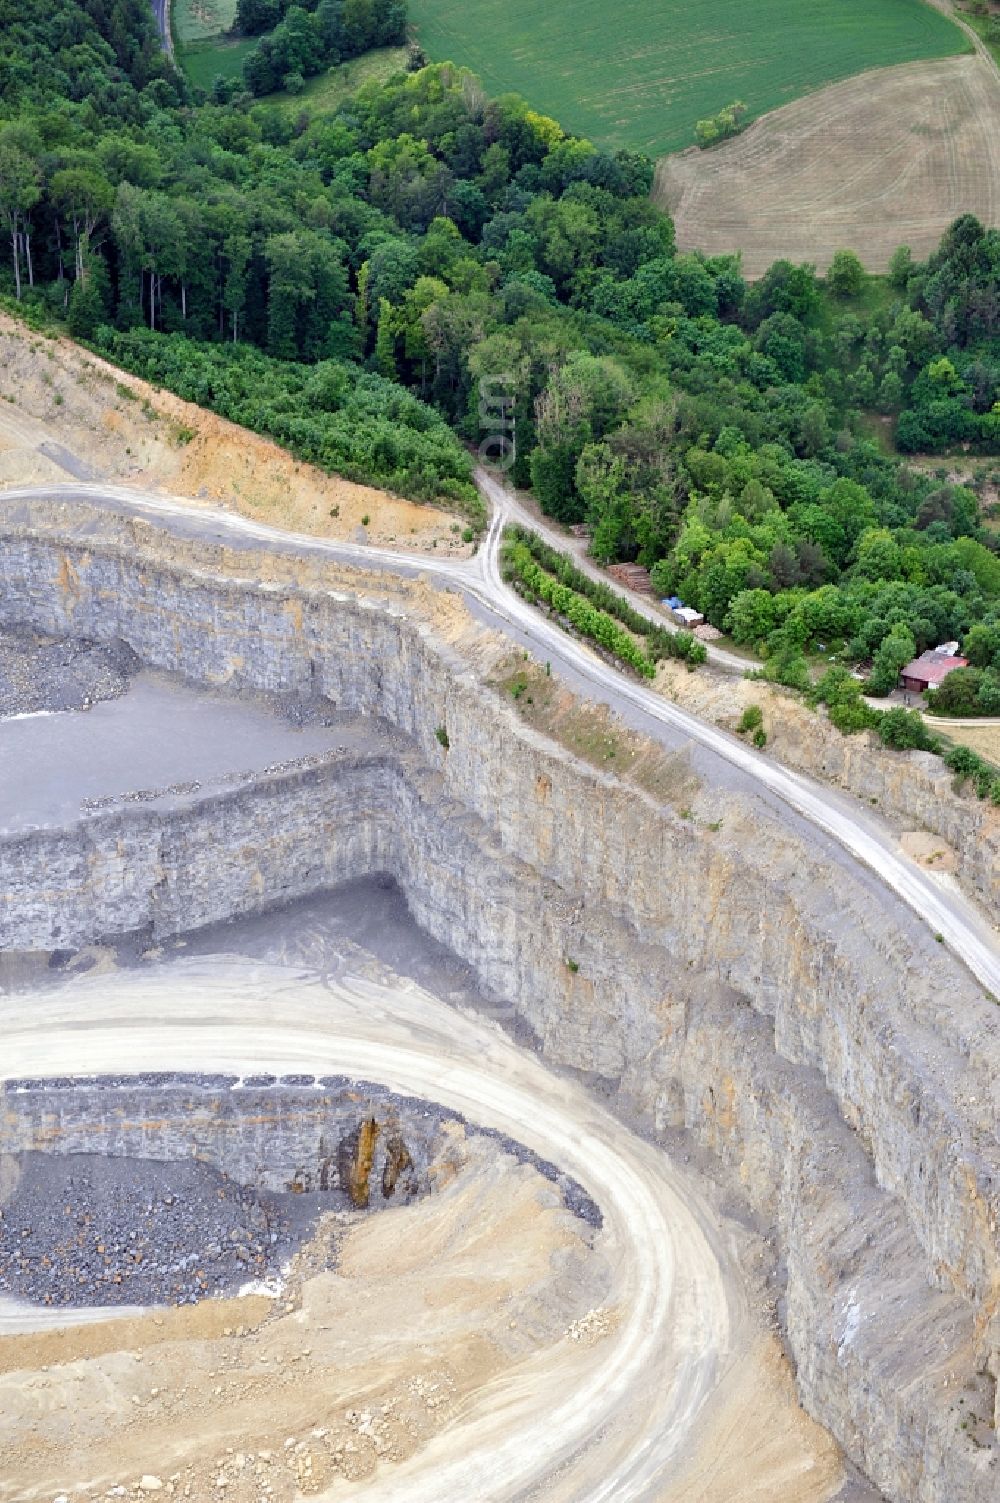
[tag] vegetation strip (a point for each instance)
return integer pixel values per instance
(661, 642)
(330, 414)
(540, 573)
(897, 727)
(520, 569)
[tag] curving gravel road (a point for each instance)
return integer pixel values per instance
(854, 831)
(584, 1426)
(515, 511)
(946, 912)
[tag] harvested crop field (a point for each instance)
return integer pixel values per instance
(886, 159)
(640, 73)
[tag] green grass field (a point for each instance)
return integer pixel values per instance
(327, 91)
(640, 72)
(204, 61)
(203, 51)
(194, 20)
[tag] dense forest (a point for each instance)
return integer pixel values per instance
(347, 281)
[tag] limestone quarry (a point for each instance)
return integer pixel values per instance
(621, 1135)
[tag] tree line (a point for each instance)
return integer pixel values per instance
(300, 40)
(424, 238)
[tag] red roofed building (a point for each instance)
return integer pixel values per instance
(929, 670)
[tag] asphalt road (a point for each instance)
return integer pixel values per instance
(161, 14)
(852, 829)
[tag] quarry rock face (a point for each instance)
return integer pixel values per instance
(739, 979)
(168, 1189)
(917, 788)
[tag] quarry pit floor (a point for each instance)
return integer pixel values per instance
(155, 743)
(482, 1343)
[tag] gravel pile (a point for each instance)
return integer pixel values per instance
(42, 673)
(82, 1230)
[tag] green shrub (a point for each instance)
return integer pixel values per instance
(334, 415)
(846, 275)
(896, 650)
(842, 694)
(751, 720)
(967, 765)
(852, 716)
(660, 643)
(728, 122)
(967, 692)
(442, 735)
(963, 761)
(905, 731)
(786, 663)
(958, 694)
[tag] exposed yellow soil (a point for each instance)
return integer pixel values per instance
(722, 697)
(743, 1455)
(122, 429)
(349, 1371)
(929, 850)
(358, 1186)
(888, 158)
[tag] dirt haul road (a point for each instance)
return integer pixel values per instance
(851, 832)
(571, 1424)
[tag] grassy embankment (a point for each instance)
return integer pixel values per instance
(207, 51)
(327, 91)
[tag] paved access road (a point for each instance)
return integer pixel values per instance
(850, 829)
(161, 15)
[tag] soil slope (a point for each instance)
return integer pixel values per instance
(65, 412)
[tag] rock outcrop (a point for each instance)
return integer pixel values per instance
(917, 789)
(356, 1158)
(716, 967)
(912, 790)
